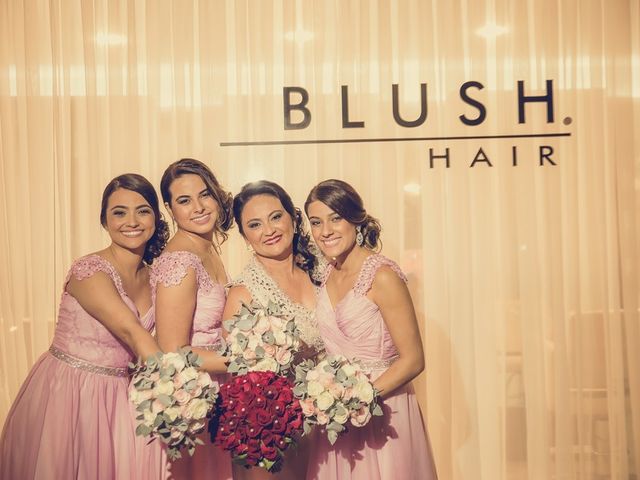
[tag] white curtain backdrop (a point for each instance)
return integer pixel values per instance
(525, 277)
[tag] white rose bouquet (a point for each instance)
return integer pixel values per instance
(172, 398)
(261, 339)
(333, 393)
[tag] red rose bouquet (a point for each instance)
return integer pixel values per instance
(258, 419)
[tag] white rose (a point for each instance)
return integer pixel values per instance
(277, 324)
(196, 427)
(235, 349)
(324, 401)
(197, 408)
(262, 326)
(253, 343)
(281, 337)
(314, 388)
(175, 359)
(149, 418)
(163, 387)
(267, 364)
(341, 416)
(348, 369)
(188, 374)
(364, 391)
(172, 413)
(312, 375)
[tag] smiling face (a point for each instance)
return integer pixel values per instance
(193, 207)
(267, 227)
(129, 220)
(334, 235)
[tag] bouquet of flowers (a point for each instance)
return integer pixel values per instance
(172, 399)
(334, 392)
(259, 419)
(261, 339)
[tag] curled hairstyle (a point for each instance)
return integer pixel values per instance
(224, 199)
(139, 184)
(301, 240)
(343, 199)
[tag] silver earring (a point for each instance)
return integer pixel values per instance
(359, 236)
(249, 247)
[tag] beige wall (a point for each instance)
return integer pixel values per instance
(525, 277)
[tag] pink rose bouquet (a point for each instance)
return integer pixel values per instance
(173, 399)
(261, 339)
(333, 393)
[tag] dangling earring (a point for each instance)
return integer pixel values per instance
(295, 228)
(249, 247)
(359, 236)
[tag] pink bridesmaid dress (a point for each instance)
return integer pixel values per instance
(208, 462)
(394, 446)
(72, 418)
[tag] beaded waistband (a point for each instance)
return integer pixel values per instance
(89, 367)
(370, 365)
(216, 346)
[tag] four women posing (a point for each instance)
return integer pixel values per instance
(72, 419)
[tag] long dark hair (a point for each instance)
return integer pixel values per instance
(343, 199)
(301, 240)
(224, 198)
(139, 184)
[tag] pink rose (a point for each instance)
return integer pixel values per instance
(269, 350)
(307, 407)
(360, 417)
(249, 354)
(322, 417)
(181, 396)
(336, 389)
(326, 379)
(283, 356)
(157, 406)
(347, 394)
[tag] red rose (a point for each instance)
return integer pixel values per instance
(285, 395)
(263, 418)
(268, 438)
(246, 397)
(280, 408)
(270, 453)
(296, 422)
(279, 426)
(254, 431)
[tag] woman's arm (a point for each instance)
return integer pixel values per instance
(99, 297)
(175, 307)
(392, 296)
(235, 298)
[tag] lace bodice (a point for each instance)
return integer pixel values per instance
(264, 289)
(354, 327)
(169, 269)
(367, 273)
(82, 336)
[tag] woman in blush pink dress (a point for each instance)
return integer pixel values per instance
(365, 313)
(72, 418)
(189, 280)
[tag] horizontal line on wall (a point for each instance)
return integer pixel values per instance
(389, 139)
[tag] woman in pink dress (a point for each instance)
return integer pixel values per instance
(365, 313)
(280, 273)
(72, 418)
(189, 279)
